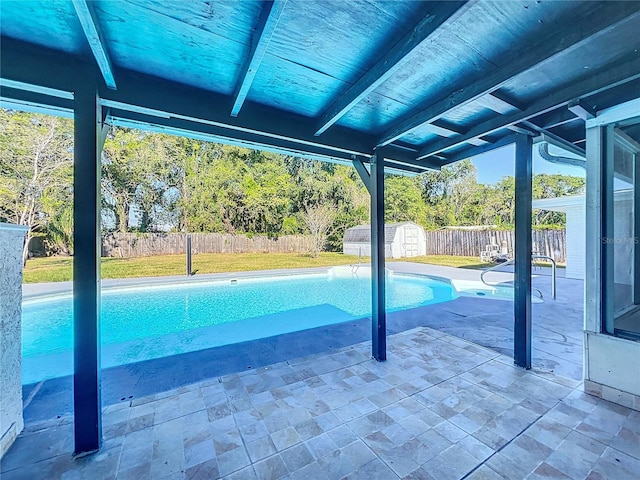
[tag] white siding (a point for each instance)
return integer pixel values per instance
(409, 241)
(576, 232)
(611, 362)
(363, 249)
(397, 250)
(412, 241)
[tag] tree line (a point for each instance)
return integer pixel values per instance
(156, 182)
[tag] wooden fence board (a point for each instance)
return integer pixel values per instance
(471, 242)
(440, 242)
(125, 245)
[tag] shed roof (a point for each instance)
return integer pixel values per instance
(362, 233)
(423, 83)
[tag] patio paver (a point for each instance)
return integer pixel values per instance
(439, 408)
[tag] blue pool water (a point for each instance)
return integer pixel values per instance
(159, 320)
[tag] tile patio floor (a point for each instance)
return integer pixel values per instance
(440, 408)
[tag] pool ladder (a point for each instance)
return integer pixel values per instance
(512, 261)
(354, 268)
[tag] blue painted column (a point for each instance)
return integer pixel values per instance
(523, 247)
(378, 306)
(86, 272)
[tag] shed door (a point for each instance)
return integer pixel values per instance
(411, 240)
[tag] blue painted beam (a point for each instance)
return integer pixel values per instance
(90, 26)
(443, 131)
(581, 109)
(105, 126)
(378, 296)
(168, 99)
(32, 101)
(412, 164)
(215, 133)
(144, 93)
(523, 247)
(400, 168)
(574, 36)
(608, 77)
(267, 24)
(494, 101)
(87, 403)
(473, 151)
(391, 61)
(363, 173)
(53, 92)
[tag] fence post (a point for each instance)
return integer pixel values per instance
(188, 249)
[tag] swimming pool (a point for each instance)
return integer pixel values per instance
(153, 321)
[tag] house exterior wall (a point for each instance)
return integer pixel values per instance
(576, 230)
(11, 420)
(609, 371)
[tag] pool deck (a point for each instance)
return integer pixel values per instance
(448, 403)
(557, 345)
(439, 408)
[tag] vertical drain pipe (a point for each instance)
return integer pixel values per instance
(188, 255)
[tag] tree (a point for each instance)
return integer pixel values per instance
(318, 220)
(135, 172)
(36, 168)
(552, 186)
(321, 183)
(59, 237)
(445, 193)
(403, 201)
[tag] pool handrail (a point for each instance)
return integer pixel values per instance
(512, 261)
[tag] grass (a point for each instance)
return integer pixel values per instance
(464, 262)
(60, 269)
(448, 261)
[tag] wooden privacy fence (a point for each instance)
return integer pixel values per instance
(471, 242)
(147, 244)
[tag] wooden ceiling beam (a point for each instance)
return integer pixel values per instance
(267, 23)
(573, 37)
(607, 78)
(391, 61)
(89, 22)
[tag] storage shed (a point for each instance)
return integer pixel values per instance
(405, 239)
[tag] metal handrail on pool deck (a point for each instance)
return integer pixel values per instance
(510, 262)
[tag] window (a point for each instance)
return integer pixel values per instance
(621, 239)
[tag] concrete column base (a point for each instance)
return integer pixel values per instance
(11, 420)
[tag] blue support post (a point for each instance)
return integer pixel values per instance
(86, 273)
(523, 244)
(188, 248)
(378, 306)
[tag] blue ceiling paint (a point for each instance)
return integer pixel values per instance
(321, 48)
(183, 53)
(51, 23)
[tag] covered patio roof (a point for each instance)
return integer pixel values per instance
(405, 86)
(423, 83)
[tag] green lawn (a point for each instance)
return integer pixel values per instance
(59, 269)
(448, 261)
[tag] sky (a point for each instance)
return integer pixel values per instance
(494, 165)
